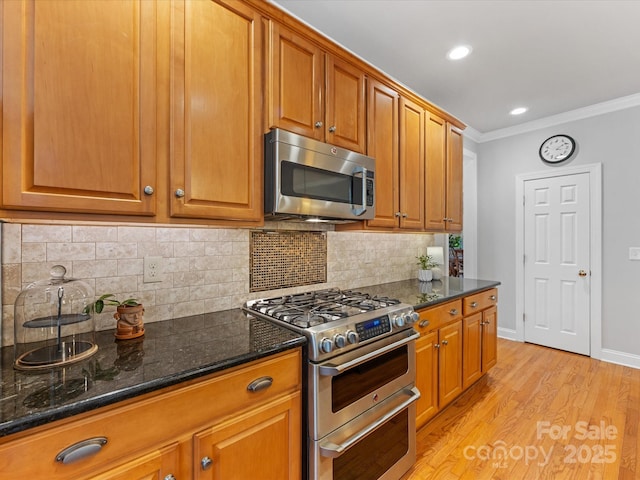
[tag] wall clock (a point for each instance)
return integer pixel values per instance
(557, 148)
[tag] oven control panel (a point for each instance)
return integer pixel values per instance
(373, 328)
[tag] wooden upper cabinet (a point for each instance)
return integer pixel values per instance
(295, 84)
(435, 170)
(411, 185)
(443, 179)
(382, 144)
(313, 93)
(454, 179)
(216, 135)
(79, 106)
(345, 105)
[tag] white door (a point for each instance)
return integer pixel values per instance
(556, 263)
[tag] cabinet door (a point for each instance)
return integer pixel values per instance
(158, 465)
(450, 363)
(295, 84)
(216, 150)
(79, 113)
(345, 120)
(411, 165)
(264, 442)
(489, 338)
(382, 144)
(435, 173)
(454, 180)
(472, 336)
(426, 377)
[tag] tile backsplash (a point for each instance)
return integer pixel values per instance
(202, 269)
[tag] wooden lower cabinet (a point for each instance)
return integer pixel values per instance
(256, 444)
(457, 346)
(214, 428)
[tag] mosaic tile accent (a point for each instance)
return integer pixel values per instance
(286, 259)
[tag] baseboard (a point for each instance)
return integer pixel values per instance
(620, 358)
(507, 333)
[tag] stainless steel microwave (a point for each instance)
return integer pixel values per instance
(310, 180)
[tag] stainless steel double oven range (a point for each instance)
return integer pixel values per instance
(359, 381)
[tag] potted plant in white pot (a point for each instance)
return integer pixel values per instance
(426, 264)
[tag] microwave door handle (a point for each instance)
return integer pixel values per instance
(332, 450)
(360, 209)
(331, 370)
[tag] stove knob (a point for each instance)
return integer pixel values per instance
(352, 337)
(399, 321)
(411, 318)
(326, 345)
(339, 340)
(415, 316)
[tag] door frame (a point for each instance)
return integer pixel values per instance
(595, 254)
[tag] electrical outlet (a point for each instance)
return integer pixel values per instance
(634, 253)
(152, 269)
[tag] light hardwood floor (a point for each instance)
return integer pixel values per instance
(538, 414)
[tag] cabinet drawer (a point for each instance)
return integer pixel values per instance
(144, 424)
(480, 301)
(439, 315)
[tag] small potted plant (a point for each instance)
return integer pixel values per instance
(129, 313)
(426, 264)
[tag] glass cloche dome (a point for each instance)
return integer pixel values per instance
(52, 323)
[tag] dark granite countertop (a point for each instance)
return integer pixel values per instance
(172, 352)
(169, 353)
(427, 294)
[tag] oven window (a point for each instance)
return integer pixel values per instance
(310, 182)
(367, 377)
(376, 453)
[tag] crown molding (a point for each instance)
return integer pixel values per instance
(570, 116)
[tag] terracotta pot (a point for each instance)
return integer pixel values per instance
(130, 322)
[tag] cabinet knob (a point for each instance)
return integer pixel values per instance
(437, 345)
(445, 342)
(170, 477)
(318, 124)
(474, 304)
(492, 298)
(179, 193)
(397, 214)
(148, 190)
(405, 215)
(332, 128)
(453, 311)
(205, 463)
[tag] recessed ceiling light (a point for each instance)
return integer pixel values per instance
(458, 52)
(518, 111)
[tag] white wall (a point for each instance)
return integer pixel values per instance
(612, 139)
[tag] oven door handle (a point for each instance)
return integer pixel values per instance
(332, 450)
(331, 370)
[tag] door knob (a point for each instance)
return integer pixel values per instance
(582, 273)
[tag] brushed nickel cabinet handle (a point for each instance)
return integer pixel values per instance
(318, 124)
(332, 128)
(445, 342)
(493, 298)
(80, 450)
(437, 345)
(179, 193)
(424, 323)
(453, 311)
(148, 190)
(260, 384)
(474, 304)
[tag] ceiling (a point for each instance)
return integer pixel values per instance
(552, 56)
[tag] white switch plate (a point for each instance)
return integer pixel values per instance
(152, 269)
(634, 253)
